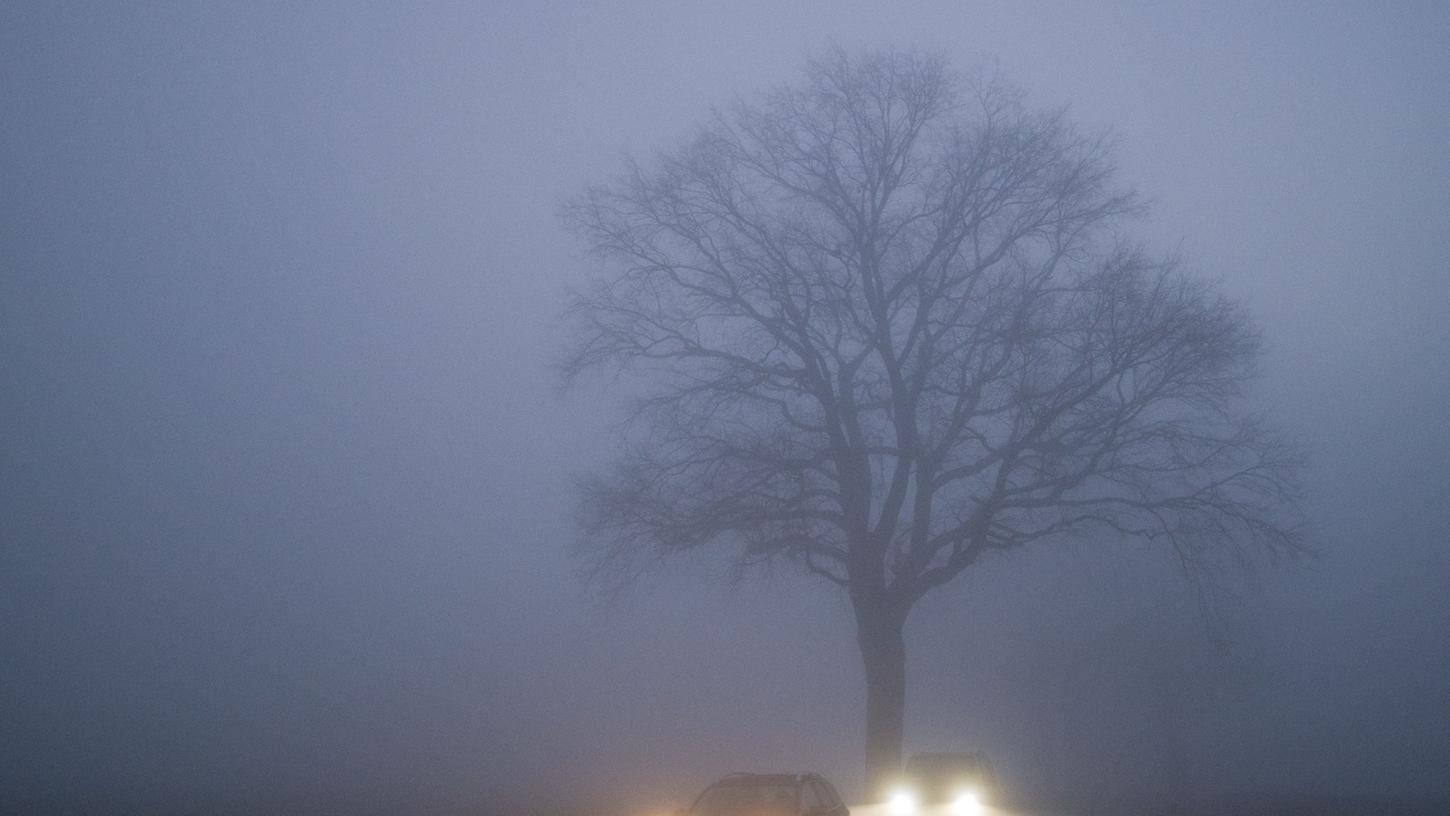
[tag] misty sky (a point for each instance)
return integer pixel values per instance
(285, 474)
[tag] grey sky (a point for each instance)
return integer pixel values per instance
(284, 474)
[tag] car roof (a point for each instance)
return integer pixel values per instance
(941, 757)
(766, 779)
(948, 762)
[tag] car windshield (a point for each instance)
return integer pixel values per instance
(746, 800)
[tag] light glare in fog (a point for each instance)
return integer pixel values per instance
(966, 804)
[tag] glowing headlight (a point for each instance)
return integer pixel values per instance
(902, 803)
(966, 804)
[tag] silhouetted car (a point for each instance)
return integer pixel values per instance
(745, 794)
(962, 781)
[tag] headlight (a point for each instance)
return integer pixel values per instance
(966, 804)
(902, 803)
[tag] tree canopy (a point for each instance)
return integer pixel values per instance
(886, 322)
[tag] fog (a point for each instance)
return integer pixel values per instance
(286, 474)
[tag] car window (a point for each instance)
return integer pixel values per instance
(811, 801)
(746, 800)
(827, 795)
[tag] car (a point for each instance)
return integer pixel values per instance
(962, 782)
(751, 794)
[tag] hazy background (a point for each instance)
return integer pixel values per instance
(284, 475)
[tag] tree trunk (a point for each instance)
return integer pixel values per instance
(883, 653)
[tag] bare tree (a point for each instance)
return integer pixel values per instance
(884, 324)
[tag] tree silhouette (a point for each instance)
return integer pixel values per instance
(884, 323)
